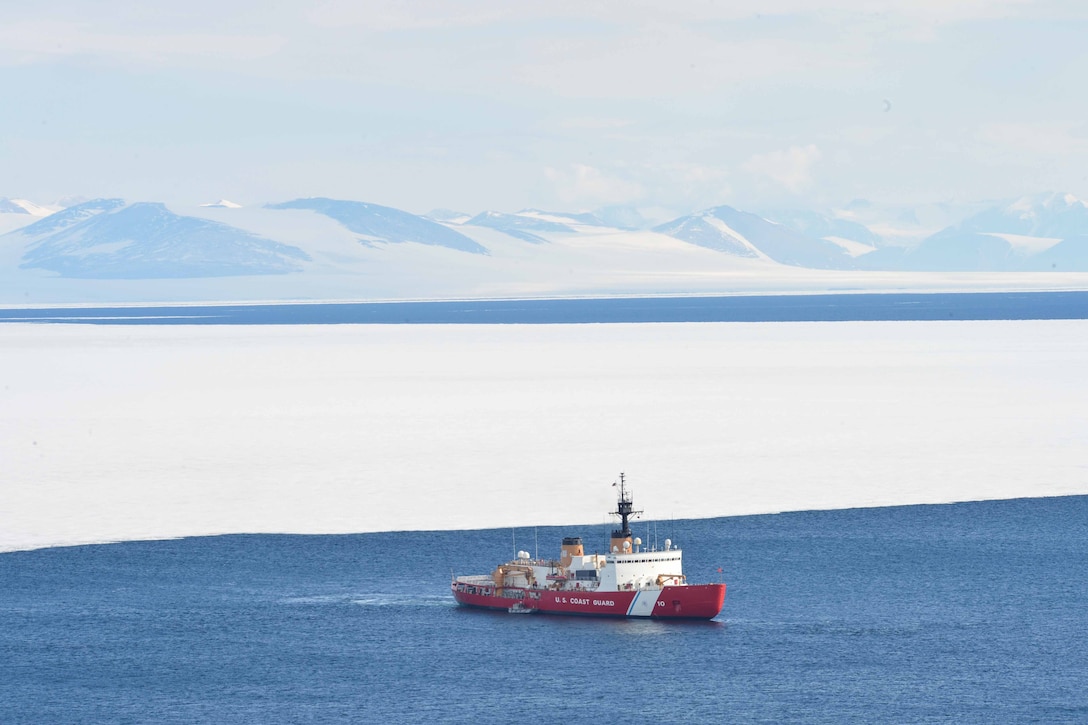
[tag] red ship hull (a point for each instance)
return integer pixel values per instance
(692, 601)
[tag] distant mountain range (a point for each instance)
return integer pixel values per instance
(105, 239)
(113, 239)
(22, 206)
(744, 234)
(521, 225)
(1040, 233)
(382, 224)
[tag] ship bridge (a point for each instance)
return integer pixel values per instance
(643, 569)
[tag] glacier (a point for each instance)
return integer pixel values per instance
(112, 251)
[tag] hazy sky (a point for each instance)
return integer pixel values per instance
(573, 105)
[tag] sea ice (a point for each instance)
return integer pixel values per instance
(126, 432)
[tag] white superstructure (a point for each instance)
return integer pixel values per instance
(626, 582)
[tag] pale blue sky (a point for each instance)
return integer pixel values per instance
(571, 105)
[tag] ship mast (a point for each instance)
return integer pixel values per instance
(621, 537)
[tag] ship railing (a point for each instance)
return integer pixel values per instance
(554, 564)
(644, 556)
(475, 580)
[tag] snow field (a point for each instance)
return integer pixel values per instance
(134, 432)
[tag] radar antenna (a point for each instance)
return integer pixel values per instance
(625, 510)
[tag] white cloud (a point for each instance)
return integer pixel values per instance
(667, 102)
(593, 123)
(1048, 138)
(33, 41)
(693, 173)
(656, 61)
(792, 167)
(688, 185)
(386, 15)
(586, 184)
(401, 15)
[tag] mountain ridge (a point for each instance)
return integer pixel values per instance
(382, 224)
(107, 239)
(110, 238)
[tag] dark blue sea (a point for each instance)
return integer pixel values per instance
(760, 308)
(964, 613)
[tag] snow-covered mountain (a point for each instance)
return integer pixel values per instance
(106, 239)
(1068, 255)
(744, 234)
(106, 249)
(385, 225)
(906, 224)
(621, 217)
(854, 238)
(1049, 215)
(71, 216)
(520, 226)
(447, 216)
(222, 204)
(22, 206)
(1037, 233)
(11, 206)
(585, 218)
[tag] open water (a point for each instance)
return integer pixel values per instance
(1062, 305)
(973, 612)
